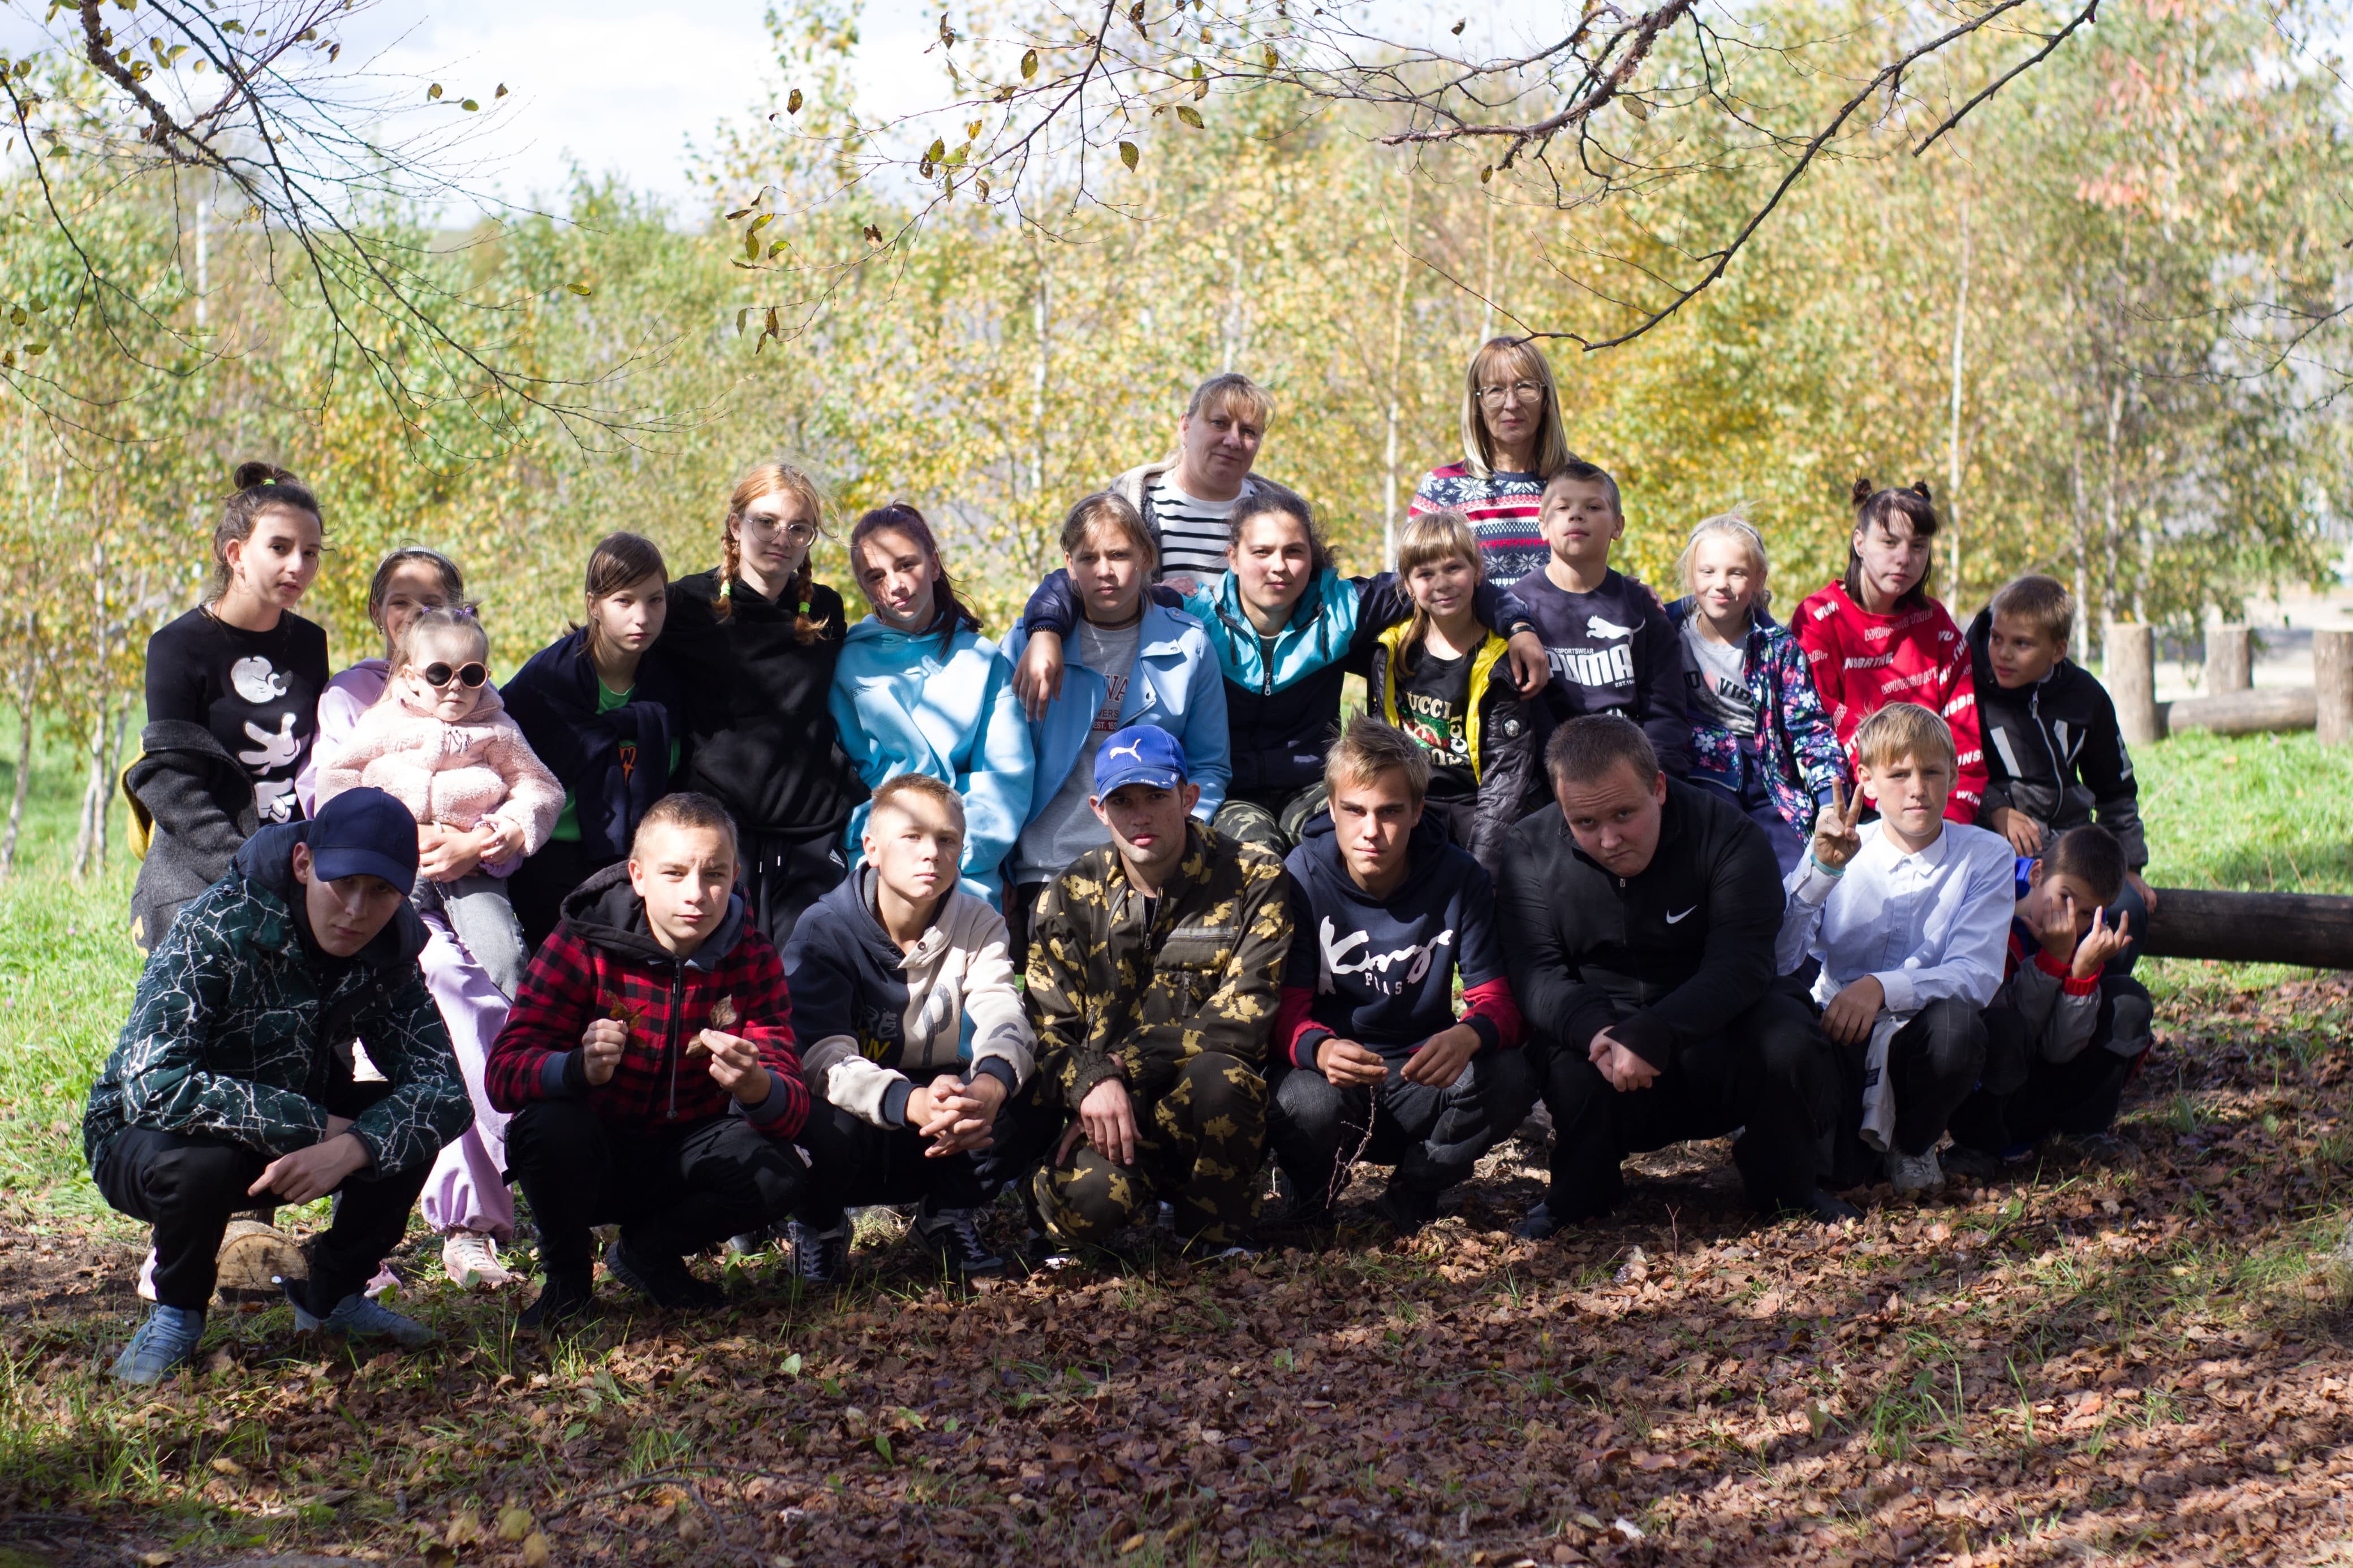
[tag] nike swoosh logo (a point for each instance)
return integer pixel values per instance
(1672, 919)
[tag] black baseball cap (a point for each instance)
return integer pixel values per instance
(364, 832)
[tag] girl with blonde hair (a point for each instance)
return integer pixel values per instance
(1760, 736)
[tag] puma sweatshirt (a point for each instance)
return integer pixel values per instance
(1613, 650)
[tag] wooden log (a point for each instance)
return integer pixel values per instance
(2251, 712)
(2332, 685)
(2312, 930)
(2229, 659)
(2129, 656)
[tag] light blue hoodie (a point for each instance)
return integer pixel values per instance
(1175, 686)
(901, 708)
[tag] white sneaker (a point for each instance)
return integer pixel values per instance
(470, 1258)
(1909, 1174)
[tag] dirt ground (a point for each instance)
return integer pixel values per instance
(2148, 1363)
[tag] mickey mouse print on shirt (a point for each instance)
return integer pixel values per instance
(256, 692)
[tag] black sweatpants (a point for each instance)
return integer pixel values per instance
(540, 885)
(1431, 1136)
(673, 1191)
(2076, 1097)
(853, 1162)
(188, 1188)
(780, 878)
(1770, 1072)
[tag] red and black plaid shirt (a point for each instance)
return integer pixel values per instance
(575, 980)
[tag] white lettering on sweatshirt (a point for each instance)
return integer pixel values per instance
(1340, 957)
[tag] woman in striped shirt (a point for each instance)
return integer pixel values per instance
(1513, 441)
(1187, 499)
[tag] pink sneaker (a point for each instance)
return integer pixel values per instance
(470, 1258)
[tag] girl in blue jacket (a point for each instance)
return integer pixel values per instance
(1130, 660)
(920, 690)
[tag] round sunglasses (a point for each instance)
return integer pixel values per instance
(439, 675)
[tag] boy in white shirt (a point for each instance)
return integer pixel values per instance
(1911, 922)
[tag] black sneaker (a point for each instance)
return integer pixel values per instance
(1301, 1213)
(661, 1277)
(819, 1256)
(953, 1236)
(1828, 1208)
(1976, 1165)
(566, 1301)
(1407, 1209)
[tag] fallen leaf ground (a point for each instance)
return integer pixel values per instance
(2145, 1364)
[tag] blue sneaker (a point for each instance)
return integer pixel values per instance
(165, 1343)
(358, 1318)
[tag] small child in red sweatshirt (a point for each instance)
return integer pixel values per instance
(1876, 637)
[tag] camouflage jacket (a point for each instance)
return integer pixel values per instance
(235, 1031)
(1112, 998)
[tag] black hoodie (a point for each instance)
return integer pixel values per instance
(198, 808)
(1660, 959)
(2053, 750)
(760, 736)
(1381, 971)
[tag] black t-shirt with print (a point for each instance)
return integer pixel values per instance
(1434, 708)
(257, 692)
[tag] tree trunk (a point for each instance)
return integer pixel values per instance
(24, 747)
(1397, 373)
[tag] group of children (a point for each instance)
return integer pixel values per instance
(729, 916)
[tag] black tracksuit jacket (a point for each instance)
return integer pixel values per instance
(1661, 959)
(2053, 750)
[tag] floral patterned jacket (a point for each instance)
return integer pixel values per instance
(1802, 756)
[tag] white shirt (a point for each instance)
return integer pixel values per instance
(1926, 925)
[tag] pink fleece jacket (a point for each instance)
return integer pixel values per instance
(456, 775)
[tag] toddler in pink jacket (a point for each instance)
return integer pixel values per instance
(440, 741)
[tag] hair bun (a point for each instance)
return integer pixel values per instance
(1863, 490)
(1920, 489)
(249, 475)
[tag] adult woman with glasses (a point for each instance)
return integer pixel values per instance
(753, 645)
(1513, 441)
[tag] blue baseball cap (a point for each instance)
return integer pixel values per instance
(1141, 754)
(364, 832)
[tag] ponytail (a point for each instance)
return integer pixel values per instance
(950, 613)
(1878, 509)
(259, 487)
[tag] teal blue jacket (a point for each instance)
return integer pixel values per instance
(903, 706)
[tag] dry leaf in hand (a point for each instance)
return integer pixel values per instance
(724, 1014)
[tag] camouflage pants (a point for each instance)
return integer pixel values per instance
(1200, 1141)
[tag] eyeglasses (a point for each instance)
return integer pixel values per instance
(439, 675)
(1518, 392)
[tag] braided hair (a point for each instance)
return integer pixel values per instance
(766, 477)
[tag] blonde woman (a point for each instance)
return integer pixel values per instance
(1513, 441)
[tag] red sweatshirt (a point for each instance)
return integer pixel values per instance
(1862, 662)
